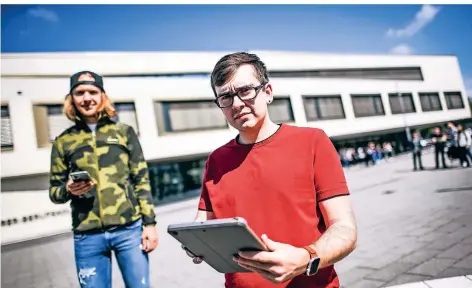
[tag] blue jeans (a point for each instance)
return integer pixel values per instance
(93, 257)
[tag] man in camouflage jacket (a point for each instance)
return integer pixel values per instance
(113, 211)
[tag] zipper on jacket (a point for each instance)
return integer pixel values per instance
(98, 179)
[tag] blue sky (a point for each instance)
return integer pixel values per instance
(401, 29)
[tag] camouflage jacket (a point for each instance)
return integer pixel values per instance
(115, 162)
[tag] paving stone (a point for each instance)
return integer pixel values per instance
(367, 284)
(464, 263)
(467, 240)
(346, 265)
(432, 267)
(417, 239)
(354, 275)
(433, 236)
(443, 243)
(410, 247)
(412, 285)
(461, 233)
(420, 256)
(422, 231)
(464, 219)
(439, 222)
(391, 271)
(381, 261)
(457, 251)
(407, 278)
(454, 271)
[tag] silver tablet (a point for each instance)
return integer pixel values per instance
(217, 241)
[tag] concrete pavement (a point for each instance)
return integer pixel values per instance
(413, 226)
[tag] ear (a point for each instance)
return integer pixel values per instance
(268, 93)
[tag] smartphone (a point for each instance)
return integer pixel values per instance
(80, 176)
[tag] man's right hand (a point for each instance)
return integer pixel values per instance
(196, 260)
(78, 188)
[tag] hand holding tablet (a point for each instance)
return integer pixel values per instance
(217, 241)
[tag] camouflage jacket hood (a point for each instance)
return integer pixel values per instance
(114, 159)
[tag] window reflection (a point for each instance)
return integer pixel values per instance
(176, 180)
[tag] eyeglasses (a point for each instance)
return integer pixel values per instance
(244, 93)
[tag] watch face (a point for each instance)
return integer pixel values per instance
(315, 262)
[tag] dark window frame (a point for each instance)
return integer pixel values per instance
(402, 95)
(372, 96)
(406, 73)
(449, 104)
(422, 95)
(380, 73)
(290, 109)
(5, 113)
(318, 110)
(127, 104)
(165, 127)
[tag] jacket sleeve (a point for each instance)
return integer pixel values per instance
(140, 178)
(58, 176)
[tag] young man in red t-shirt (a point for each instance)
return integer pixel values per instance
(286, 181)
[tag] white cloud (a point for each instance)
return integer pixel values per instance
(44, 14)
(402, 49)
(422, 18)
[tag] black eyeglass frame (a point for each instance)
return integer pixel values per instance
(256, 89)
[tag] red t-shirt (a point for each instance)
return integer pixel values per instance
(275, 185)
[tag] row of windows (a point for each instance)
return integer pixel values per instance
(380, 73)
(204, 115)
(397, 73)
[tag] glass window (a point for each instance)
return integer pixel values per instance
(396, 73)
(7, 139)
(57, 121)
(126, 113)
(367, 105)
(430, 101)
(401, 103)
(189, 116)
(454, 100)
(280, 110)
(172, 181)
(323, 107)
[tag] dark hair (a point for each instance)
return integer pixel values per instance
(226, 67)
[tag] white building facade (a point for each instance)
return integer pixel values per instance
(168, 99)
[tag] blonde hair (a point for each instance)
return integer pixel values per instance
(105, 108)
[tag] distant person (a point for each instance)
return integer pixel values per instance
(371, 154)
(451, 134)
(417, 148)
(113, 211)
(286, 181)
(387, 150)
(439, 142)
(468, 133)
(463, 142)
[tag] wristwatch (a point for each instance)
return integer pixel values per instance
(312, 267)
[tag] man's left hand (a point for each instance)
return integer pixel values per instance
(279, 264)
(149, 238)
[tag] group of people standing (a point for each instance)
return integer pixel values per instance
(454, 142)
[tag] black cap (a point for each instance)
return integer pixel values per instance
(97, 80)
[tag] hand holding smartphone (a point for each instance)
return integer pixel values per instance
(79, 184)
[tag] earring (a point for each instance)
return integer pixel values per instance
(269, 101)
